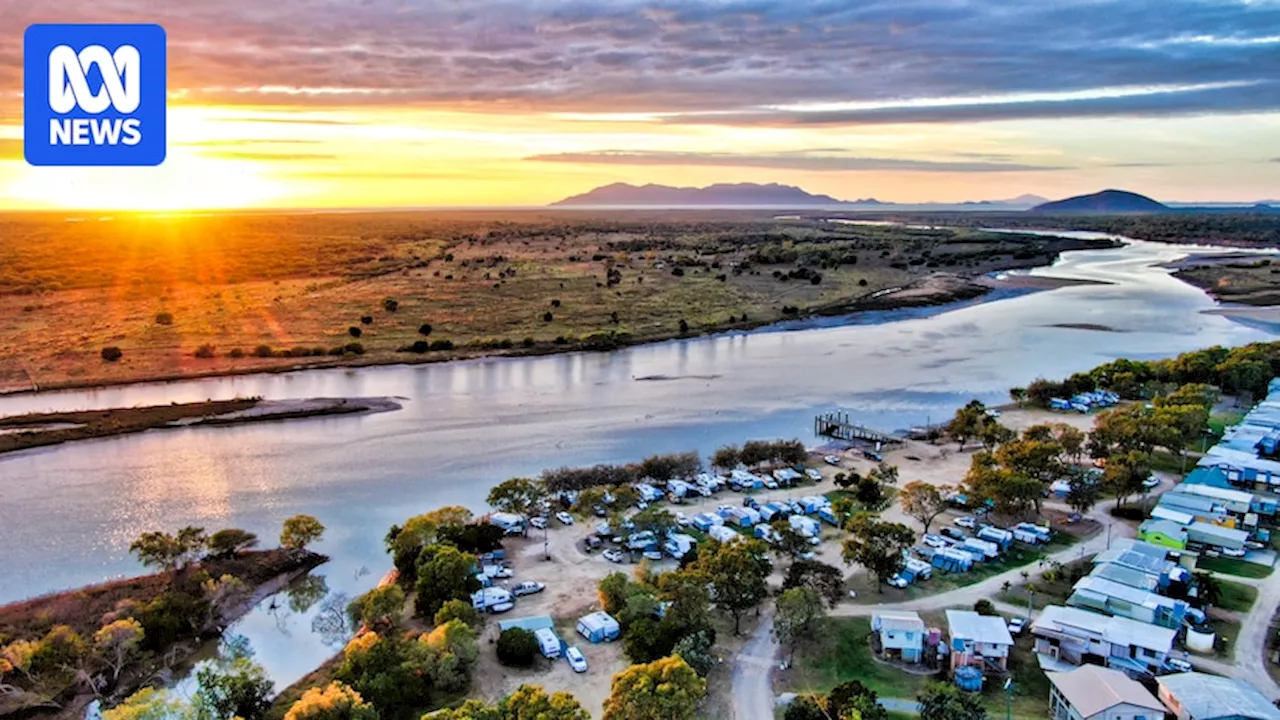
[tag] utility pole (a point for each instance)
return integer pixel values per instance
(1008, 699)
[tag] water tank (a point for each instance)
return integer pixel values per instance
(1200, 639)
(969, 678)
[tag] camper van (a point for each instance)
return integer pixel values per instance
(548, 643)
(492, 599)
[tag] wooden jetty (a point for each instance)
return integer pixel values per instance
(837, 424)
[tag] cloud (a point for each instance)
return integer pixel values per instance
(11, 149)
(742, 57)
(785, 161)
(252, 155)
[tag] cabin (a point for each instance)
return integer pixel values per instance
(1113, 598)
(1091, 692)
(981, 641)
(901, 634)
(1199, 696)
(1067, 636)
(1164, 533)
(1215, 537)
(598, 627)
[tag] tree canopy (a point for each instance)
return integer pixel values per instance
(878, 546)
(300, 531)
(666, 689)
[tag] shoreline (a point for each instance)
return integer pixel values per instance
(981, 289)
(50, 429)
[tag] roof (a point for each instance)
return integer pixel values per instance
(1101, 587)
(1127, 576)
(531, 624)
(1187, 502)
(598, 619)
(1211, 476)
(969, 625)
(1167, 512)
(1217, 532)
(1210, 696)
(1118, 630)
(897, 620)
(1135, 554)
(1217, 493)
(1168, 528)
(1092, 689)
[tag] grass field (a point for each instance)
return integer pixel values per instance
(1232, 566)
(1237, 597)
(270, 291)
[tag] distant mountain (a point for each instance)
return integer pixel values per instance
(722, 194)
(1104, 203)
(1028, 199)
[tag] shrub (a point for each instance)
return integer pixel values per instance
(366, 319)
(390, 305)
(677, 271)
(862, 282)
(238, 353)
(353, 348)
(561, 340)
(555, 303)
(164, 318)
(354, 331)
(337, 350)
(419, 346)
(300, 352)
(442, 345)
(985, 607)
(517, 647)
(684, 325)
(317, 351)
(204, 351)
(112, 353)
(262, 351)
(527, 342)
(424, 329)
(505, 344)
(548, 317)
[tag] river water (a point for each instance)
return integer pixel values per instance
(68, 514)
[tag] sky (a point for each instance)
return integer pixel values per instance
(407, 103)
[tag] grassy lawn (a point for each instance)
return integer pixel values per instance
(1228, 631)
(1017, 557)
(1047, 593)
(1237, 597)
(1030, 686)
(845, 655)
(1232, 566)
(1220, 421)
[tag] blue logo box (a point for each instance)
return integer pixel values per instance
(94, 95)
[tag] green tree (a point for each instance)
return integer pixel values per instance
(231, 542)
(788, 542)
(884, 473)
(530, 702)
(828, 580)
(613, 591)
(857, 698)
(119, 642)
(923, 501)
(240, 689)
(458, 610)
(806, 707)
(334, 701)
(454, 650)
(737, 572)
(521, 496)
(726, 458)
(517, 647)
(152, 704)
(1031, 458)
(1072, 441)
(1018, 395)
(1209, 589)
(444, 573)
(168, 552)
(666, 689)
(300, 531)
(656, 519)
(877, 546)
(380, 609)
(967, 423)
(1125, 473)
(941, 701)
(800, 617)
(985, 607)
(695, 649)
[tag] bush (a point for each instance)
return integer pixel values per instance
(555, 303)
(677, 271)
(424, 329)
(112, 353)
(527, 342)
(458, 610)
(353, 349)
(548, 317)
(1129, 512)
(985, 607)
(262, 351)
(517, 647)
(390, 305)
(862, 282)
(561, 340)
(164, 318)
(419, 346)
(684, 325)
(354, 331)
(205, 351)
(442, 345)
(238, 353)
(366, 319)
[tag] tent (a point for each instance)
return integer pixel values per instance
(598, 627)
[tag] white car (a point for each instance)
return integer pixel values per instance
(613, 555)
(967, 522)
(682, 520)
(935, 541)
(538, 522)
(1017, 625)
(576, 660)
(1232, 552)
(1151, 482)
(831, 460)
(813, 475)
(771, 484)
(898, 581)
(1178, 665)
(564, 517)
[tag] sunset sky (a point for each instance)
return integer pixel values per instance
(395, 103)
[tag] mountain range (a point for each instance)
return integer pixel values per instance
(756, 195)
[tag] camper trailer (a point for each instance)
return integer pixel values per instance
(988, 550)
(1001, 537)
(492, 599)
(598, 627)
(548, 643)
(722, 534)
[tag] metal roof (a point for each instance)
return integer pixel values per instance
(1109, 588)
(969, 625)
(1116, 630)
(1234, 538)
(1127, 576)
(1187, 502)
(1206, 697)
(1092, 690)
(897, 620)
(536, 622)
(1167, 528)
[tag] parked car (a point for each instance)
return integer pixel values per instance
(967, 522)
(1151, 482)
(953, 533)
(872, 455)
(565, 518)
(1177, 665)
(593, 542)
(600, 511)
(771, 484)
(898, 581)
(682, 520)
(576, 659)
(641, 504)
(1017, 625)
(614, 555)
(538, 522)
(831, 460)
(501, 607)
(813, 475)
(528, 587)
(750, 502)
(935, 541)
(653, 555)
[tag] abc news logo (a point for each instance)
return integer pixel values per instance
(94, 95)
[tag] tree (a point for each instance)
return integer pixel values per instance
(695, 649)
(379, 609)
(666, 689)
(334, 701)
(300, 531)
(1125, 473)
(157, 549)
(656, 519)
(805, 707)
(454, 650)
(1039, 459)
(788, 542)
(828, 580)
(152, 704)
(1018, 395)
(1209, 589)
(869, 493)
(923, 501)
(941, 701)
(985, 607)
(877, 546)
(884, 473)
(799, 618)
(231, 542)
(613, 590)
(444, 573)
(1082, 492)
(726, 458)
(1072, 441)
(517, 647)
(521, 496)
(967, 423)
(241, 689)
(118, 643)
(458, 610)
(737, 572)
(530, 702)
(858, 698)
(993, 433)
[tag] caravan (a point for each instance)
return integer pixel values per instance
(492, 599)
(548, 643)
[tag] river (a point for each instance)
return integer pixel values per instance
(68, 514)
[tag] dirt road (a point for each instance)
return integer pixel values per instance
(753, 671)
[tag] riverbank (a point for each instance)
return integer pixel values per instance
(24, 432)
(149, 597)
